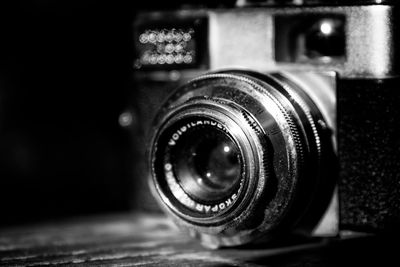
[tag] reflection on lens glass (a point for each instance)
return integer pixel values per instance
(217, 162)
(207, 163)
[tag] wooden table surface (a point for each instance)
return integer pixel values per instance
(150, 240)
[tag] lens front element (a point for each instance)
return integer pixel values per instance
(207, 163)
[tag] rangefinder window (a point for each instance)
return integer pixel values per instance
(164, 44)
(310, 38)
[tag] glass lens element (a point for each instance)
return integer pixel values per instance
(207, 163)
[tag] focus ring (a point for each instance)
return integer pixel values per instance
(261, 89)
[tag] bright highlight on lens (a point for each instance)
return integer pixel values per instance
(226, 149)
(326, 27)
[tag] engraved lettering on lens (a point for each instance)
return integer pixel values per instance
(186, 200)
(175, 136)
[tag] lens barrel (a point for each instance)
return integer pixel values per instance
(238, 156)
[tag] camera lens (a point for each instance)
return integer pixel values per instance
(236, 155)
(207, 163)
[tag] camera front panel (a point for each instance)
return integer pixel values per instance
(354, 41)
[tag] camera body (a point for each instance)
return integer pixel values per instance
(304, 95)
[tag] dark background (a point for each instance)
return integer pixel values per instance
(65, 71)
(65, 77)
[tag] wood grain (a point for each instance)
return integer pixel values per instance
(150, 240)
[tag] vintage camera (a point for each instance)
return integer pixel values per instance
(268, 119)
